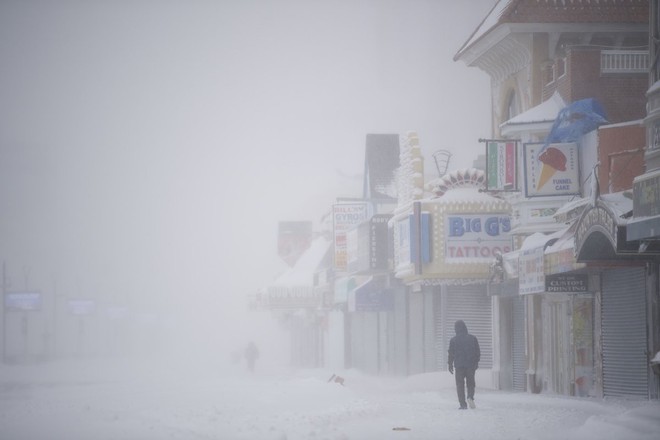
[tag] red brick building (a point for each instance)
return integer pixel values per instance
(621, 155)
(541, 57)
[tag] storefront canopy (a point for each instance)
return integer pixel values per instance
(371, 296)
(601, 231)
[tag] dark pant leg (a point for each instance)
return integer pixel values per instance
(469, 379)
(460, 374)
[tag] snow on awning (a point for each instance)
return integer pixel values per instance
(539, 239)
(564, 239)
(560, 248)
(620, 203)
(536, 118)
(559, 255)
(546, 111)
(535, 241)
(371, 296)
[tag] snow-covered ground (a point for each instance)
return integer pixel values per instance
(102, 399)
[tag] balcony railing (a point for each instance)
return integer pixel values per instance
(624, 61)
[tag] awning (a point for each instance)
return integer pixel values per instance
(505, 288)
(600, 234)
(342, 287)
(346, 286)
(542, 259)
(371, 296)
(559, 255)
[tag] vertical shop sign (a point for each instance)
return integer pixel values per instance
(501, 165)
(378, 241)
(531, 278)
(345, 216)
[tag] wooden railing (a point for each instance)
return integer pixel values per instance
(624, 61)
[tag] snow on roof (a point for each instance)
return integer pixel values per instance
(564, 14)
(566, 240)
(620, 203)
(570, 206)
(546, 111)
(463, 186)
(467, 195)
(302, 273)
(539, 239)
(488, 23)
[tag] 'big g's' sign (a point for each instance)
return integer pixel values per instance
(476, 237)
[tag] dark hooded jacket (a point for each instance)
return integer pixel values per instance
(464, 349)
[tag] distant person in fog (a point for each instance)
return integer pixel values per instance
(464, 354)
(251, 355)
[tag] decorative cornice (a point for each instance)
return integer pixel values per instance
(506, 58)
(500, 52)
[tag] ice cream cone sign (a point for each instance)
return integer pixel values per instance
(553, 160)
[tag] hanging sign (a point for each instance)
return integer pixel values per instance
(562, 283)
(551, 170)
(501, 165)
(530, 271)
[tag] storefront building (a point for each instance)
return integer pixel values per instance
(444, 239)
(546, 76)
(370, 306)
(626, 297)
(644, 226)
(296, 297)
(366, 309)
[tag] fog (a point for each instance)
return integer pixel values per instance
(149, 148)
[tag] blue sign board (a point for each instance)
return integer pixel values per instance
(373, 297)
(25, 301)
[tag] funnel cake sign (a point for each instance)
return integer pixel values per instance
(551, 170)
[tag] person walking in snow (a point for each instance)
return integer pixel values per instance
(251, 355)
(464, 355)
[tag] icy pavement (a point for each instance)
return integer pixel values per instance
(90, 400)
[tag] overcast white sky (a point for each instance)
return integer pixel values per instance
(149, 148)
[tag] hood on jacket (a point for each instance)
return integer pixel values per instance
(460, 327)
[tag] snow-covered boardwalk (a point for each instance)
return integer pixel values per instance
(70, 400)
